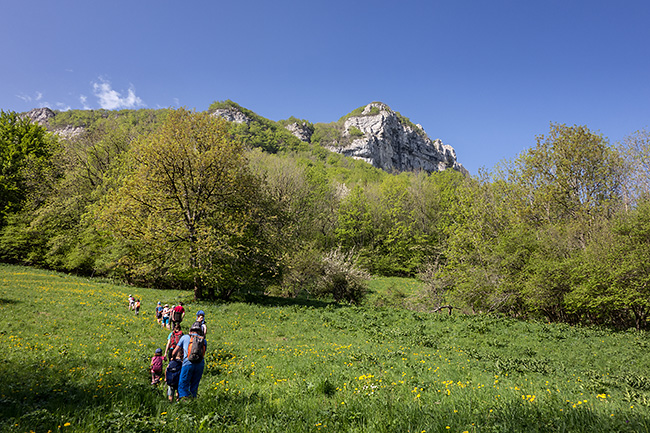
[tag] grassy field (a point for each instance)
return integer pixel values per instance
(75, 359)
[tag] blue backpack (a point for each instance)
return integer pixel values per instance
(173, 373)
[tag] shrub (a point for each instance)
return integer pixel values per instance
(302, 272)
(355, 132)
(342, 277)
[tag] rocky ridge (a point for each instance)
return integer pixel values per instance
(42, 116)
(376, 134)
(382, 138)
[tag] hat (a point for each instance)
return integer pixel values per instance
(158, 302)
(159, 351)
(200, 313)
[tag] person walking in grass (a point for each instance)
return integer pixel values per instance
(200, 319)
(193, 347)
(172, 376)
(156, 367)
(165, 317)
(158, 313)
(178, 313)
(172, 341)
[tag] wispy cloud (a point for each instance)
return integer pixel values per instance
(84, 102)
(112, 99)
(62, 106)
(27, 98)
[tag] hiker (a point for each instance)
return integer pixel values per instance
(165, 317)
(193, 347)
(178, 313)
(200, 319)
(137, 307)
(131, 302)
(156, 367)
(159, 310)
(172, 375)
(172, 341)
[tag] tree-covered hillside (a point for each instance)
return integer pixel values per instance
(180, 199)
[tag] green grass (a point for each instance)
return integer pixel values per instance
(393, 291)
(76, 360)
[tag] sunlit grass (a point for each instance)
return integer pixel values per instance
(76, 359)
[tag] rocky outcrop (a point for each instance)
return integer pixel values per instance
(387, 141)
(231, 115)
(300, 130)
(375, 134)
(42, 116)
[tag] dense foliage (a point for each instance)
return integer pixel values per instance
(25, 149)
(178, 199)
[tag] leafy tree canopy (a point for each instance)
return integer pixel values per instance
(25, 148)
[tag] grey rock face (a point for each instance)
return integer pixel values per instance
(300, 130)
(379, 137)
(42, 116)
(231, 115)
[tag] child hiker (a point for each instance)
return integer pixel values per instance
(172, 376)
(157, 367)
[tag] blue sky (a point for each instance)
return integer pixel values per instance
(486, 77)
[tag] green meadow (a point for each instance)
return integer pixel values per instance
(75, 359)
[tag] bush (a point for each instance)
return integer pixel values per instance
(342, 278)
(334, 274)
(301, 273)
(355, 132)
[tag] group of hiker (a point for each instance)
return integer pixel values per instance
(184, 353)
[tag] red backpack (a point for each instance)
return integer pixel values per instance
(173, 342)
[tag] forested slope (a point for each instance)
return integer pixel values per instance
(180, 199)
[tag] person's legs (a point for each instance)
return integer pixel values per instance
(197, 373)
(184, 382)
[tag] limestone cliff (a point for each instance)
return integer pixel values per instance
(388, 141)
(42, 116)
(374, 133)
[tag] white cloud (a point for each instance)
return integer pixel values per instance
(83, 99)
(28, 98)
(62, 106)
(111, 99)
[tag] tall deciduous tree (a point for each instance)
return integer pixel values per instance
(185, 200)
(636, 151)
(570, 174)
(25, 148)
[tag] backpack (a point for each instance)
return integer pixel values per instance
(173, 342)
(177, 316)
(196, 349)
(197, 325)
(157, 364)
(173, 373)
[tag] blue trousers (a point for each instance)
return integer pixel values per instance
(188, 383)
